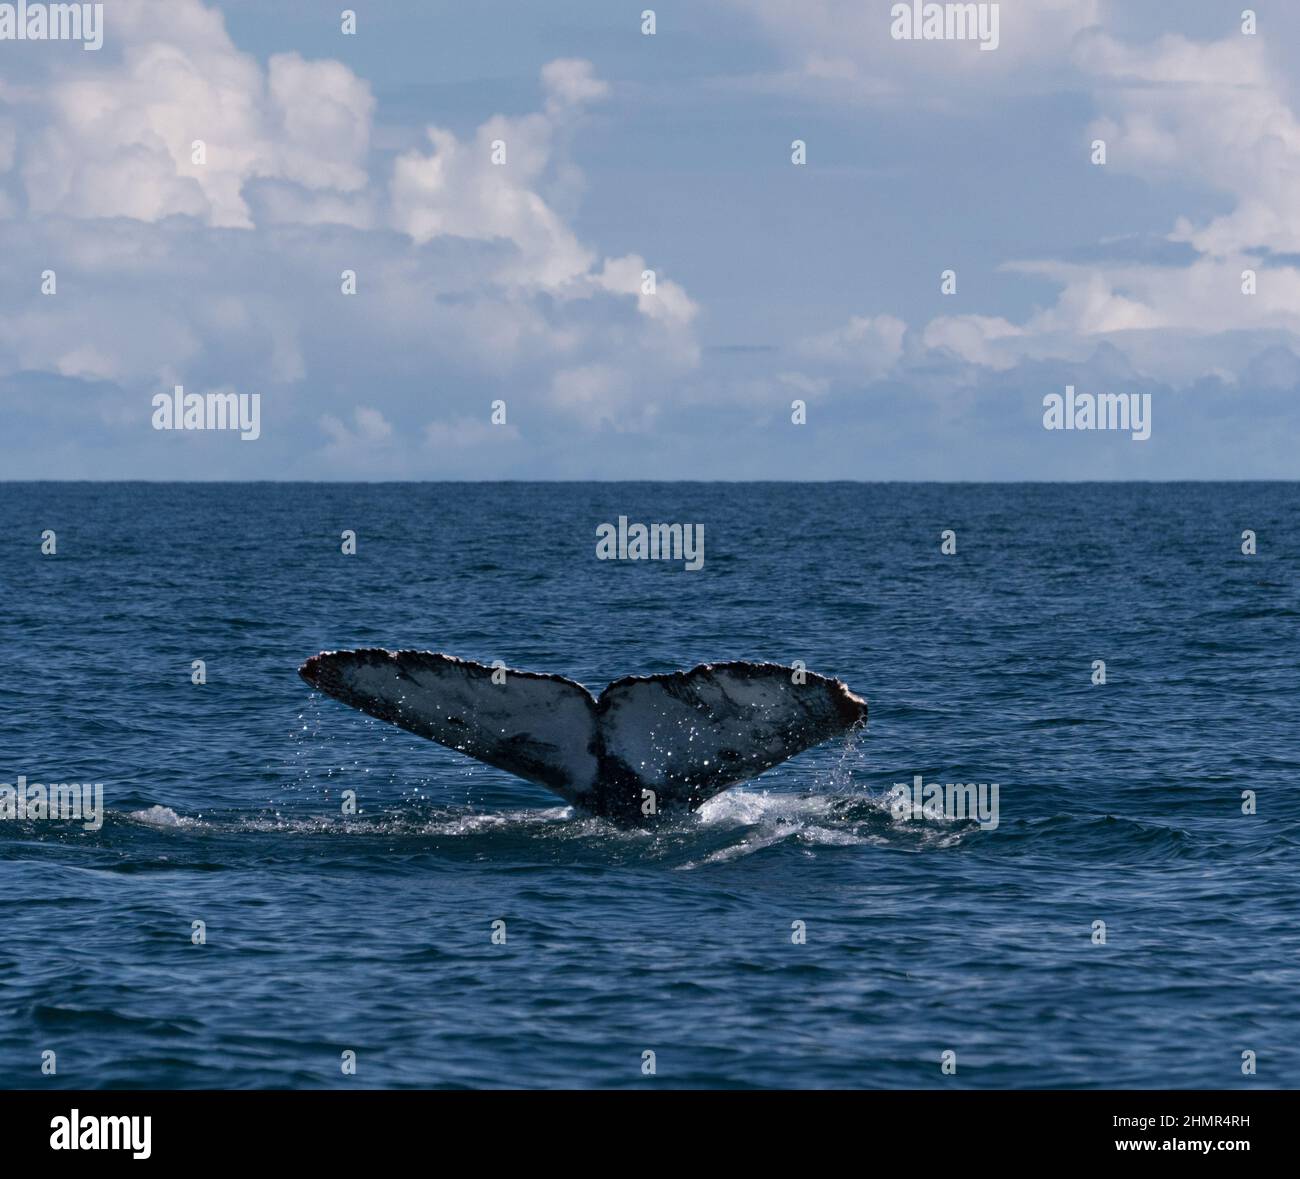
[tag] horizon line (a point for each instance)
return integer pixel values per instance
(662, 482)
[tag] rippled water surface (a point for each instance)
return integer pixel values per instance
(1119, 803)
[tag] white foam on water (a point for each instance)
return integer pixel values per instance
(446, 823)
(163, 816)
(733, 825)
(833, 819)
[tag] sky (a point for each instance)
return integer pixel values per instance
(798, 326)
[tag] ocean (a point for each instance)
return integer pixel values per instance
(1132, 919)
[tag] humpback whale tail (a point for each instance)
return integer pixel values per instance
(647, 744)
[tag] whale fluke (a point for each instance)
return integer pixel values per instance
(684, 735)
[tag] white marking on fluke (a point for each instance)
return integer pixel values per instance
(685, 735)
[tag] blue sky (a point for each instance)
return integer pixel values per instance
(521, 282)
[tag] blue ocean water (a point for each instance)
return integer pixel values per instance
(1119, 803)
